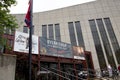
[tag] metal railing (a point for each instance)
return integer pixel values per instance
(56, 71)
(97, 74)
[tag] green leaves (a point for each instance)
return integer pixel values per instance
(7, 21)
(5, 4)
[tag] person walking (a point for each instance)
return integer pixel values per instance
(110, 71)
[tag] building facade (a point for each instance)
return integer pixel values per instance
(93, 26)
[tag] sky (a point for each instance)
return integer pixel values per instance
(43, 5)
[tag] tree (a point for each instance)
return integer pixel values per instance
(7, 21)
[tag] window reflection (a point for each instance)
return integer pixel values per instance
(113, 38)
(79, 34)
(106, 43)
(98, 46)
(72, 34)
(57, 32)
(44, 31)
(51, 33)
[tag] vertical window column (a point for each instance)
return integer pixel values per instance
(113, 39)
(51, 31)
(97, 43)
(44, 31)
(106, 43)
(79, 34)
(57, 32)
(72, 33)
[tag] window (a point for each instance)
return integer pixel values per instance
(98, 46)
(44, 31)
(106, 43)
(57, 32)
(79, 34)
(72, 33)
(51, 33)
(113, 38)
(25, 29)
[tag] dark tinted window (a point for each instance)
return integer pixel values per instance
(113, 38)
(51, 33)
(106, 42)
(72, 34)
(57, 32)
(79, 34)
(25, 29)
(44, 31)
(98, 46)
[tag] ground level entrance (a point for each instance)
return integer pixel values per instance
(57, 68)
(51, 71)
(54, 68)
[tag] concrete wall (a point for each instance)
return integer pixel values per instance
(7, 67)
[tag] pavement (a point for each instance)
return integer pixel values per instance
(107, 78)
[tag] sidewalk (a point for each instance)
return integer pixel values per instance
(107, 78)
(103, 79)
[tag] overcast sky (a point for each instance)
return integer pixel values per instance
(44, 5)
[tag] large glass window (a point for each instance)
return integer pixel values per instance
(113, 38)
(79, 34)
(106, 43)
(44, 31)
(98, 46)
(57, 32)
(72, 34)
(51, 31)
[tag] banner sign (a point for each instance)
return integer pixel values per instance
(55, 48)
(21, 43)
(78, 53)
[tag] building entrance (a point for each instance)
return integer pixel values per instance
(62, 71)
